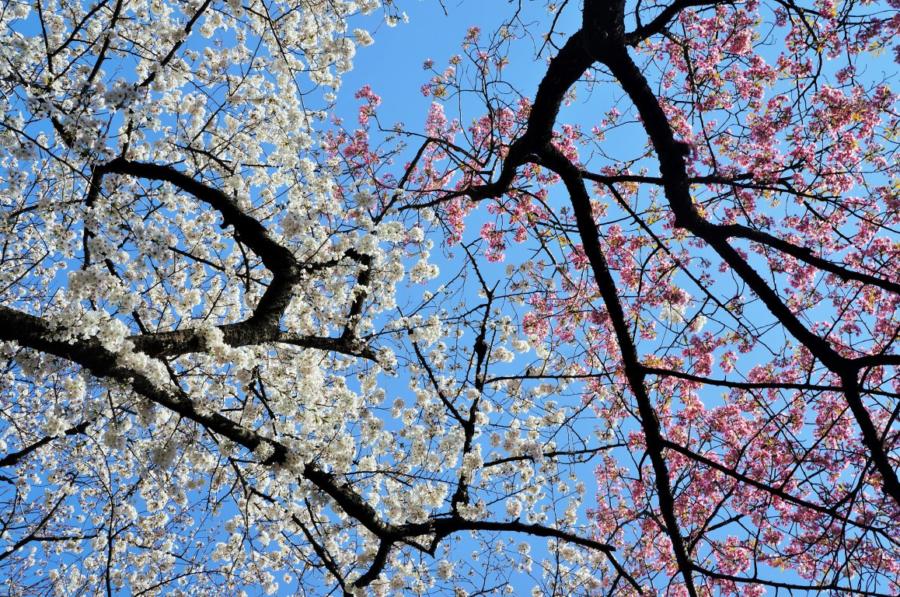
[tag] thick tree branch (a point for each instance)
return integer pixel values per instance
(804, 254)
(32, 332)
(772, 490)
(245, 333)
(247, 228)
(587, 228)
(677, 190)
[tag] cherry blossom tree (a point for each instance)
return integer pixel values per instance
(630, 329)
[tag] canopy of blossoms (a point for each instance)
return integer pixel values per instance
(628, 330)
